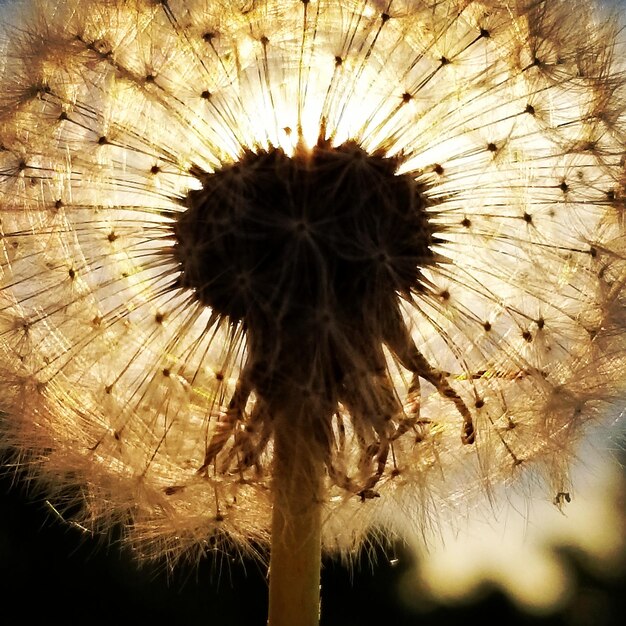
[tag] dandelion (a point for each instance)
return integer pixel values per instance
(305, 268)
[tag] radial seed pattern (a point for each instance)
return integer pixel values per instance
(476, 152)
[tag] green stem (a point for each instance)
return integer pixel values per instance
(295, 559)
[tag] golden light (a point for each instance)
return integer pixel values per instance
(316, 266)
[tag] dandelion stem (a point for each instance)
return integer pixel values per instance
(295, 561)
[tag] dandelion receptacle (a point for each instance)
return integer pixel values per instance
(286, 272)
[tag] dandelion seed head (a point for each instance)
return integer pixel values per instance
(406, 216)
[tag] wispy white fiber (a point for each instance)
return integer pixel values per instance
(117, 383)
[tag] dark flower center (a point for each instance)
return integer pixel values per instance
(310, 252)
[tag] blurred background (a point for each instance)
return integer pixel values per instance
(521, 561)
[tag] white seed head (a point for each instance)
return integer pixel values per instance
(408, 214)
